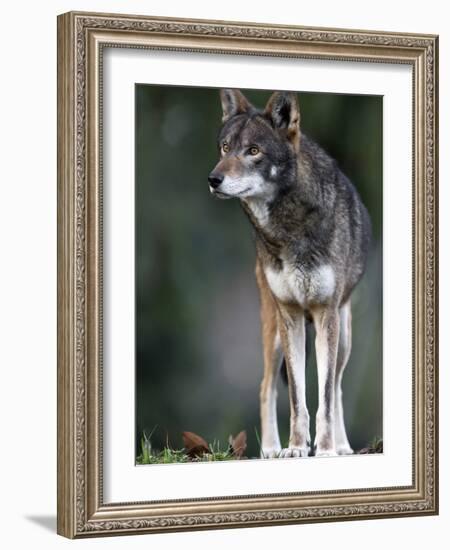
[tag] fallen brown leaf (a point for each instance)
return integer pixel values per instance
(238, 444)
(195, 445)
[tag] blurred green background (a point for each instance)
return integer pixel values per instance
(198, 345)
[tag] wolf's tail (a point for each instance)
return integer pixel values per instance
(308, 346)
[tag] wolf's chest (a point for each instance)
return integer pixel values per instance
(291, 284)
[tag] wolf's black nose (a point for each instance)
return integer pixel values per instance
(215, 180)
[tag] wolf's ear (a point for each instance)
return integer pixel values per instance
(233, 103)
(284, 112)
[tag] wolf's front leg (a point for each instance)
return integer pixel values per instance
(344, 348)
(270, 439)
(326, 322)
(292, 331)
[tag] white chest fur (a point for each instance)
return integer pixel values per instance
(304, 287)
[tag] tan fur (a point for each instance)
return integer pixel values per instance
(229, 165)
(268, 316)
(272, 357)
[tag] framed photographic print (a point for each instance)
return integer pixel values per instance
(247, 274)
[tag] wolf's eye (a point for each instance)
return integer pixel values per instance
(253, 150)
(225, 147)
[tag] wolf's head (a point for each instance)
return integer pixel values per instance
(258, 149)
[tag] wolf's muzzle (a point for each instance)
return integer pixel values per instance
(215, 180)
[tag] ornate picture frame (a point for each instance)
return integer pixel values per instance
(82, 38)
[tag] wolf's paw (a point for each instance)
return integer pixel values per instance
(270, 452)
(294, 452)
(343, 450)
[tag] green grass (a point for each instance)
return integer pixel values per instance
(215, 452)
(171, 456)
